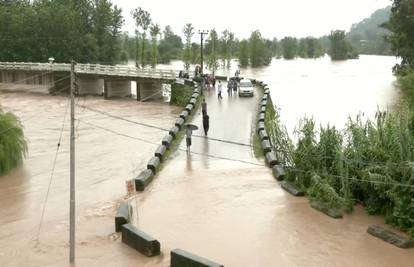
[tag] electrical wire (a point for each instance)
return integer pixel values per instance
(52, 171)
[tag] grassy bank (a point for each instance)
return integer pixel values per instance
(180, 94)
(368, 162)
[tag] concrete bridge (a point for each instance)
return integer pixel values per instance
(92, 79)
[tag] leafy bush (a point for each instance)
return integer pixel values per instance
(13, 146)
(180, 94)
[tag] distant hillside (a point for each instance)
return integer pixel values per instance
(368, 37)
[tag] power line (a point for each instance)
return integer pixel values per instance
(52, 171)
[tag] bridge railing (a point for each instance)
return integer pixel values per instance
(98, 69)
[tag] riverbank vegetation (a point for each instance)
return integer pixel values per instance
(13, 146)
(90, 32)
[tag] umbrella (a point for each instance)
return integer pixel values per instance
(191, 126)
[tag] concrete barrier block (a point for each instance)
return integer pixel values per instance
(265, 97)
(266, 146)
(167, 140)
(263, 135)
(260, 83)
(264, 85)
(189, 108)
(261, 117)
(390, 237)
(263, 109)
(278, 172)
(271, 159)
(174, 131)
(160, 151)
(143, 179)
(193, 102)
(260, 126)
(179, 123)
(324, 208)
(153, 164)
(263, 103)
(140, 241)
(181, 258)
(195, 95)
(266, 92)
(292, 189)
(122, 216)
(184, 115)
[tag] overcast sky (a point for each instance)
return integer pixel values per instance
(274, 18)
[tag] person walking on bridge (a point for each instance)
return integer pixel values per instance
(204, 107)
(188, 134)
(220, 90)
(206, 123)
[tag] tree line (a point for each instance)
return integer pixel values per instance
(90, 31)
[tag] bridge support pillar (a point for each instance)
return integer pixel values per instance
(18, 80)
(149, 91)
(90, 85)
(117, 88)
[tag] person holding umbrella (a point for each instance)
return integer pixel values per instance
(206, 123)
(188, 133)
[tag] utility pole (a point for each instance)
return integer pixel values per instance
(202, 33)
(72, 165)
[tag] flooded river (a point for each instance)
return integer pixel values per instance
(219, 202)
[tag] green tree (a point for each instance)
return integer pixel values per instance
(289, 47)
(401, 24)
(340, 49)
(13, 145)
(142, 21)
(154, 31)
(188, 33)
(170, 46)
(260, 54)
(226, 44)
(212, 47)
(244, 53)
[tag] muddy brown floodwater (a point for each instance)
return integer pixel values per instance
(219, 202)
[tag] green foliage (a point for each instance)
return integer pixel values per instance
(87, 31)
(369, 36)
(188, 33)
(170, 46)
(212, 48)
(244, 53)
(260, 54)
(340, 48)
(371, 162)
(142, 22)
(154, 31)
(289, 47)
(13, 146)
(401, 24)
(180, 94)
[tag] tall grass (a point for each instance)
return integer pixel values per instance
(370, 162)
(13, 146)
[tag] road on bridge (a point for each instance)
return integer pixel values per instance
(235, 213)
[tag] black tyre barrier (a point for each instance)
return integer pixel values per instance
(167, 140)
(390, 237)
(193, 102)
(153, 164)
(261, 117)
(189, 108)
(143, 180)
(271, 159)
(263, 103)
(181, 258)
(263, 135)
(179, 123)
(174, 131)
(160, 151)
(278, 172)
(140, 241)
(122, 216)
(184, 115)
(266, 146)
(292, 189)
(324, 208)
(260, 126)
(262, 109)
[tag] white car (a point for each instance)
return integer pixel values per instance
(246, 88)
